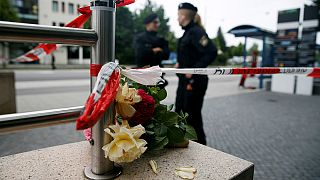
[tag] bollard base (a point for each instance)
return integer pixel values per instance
(117, 170)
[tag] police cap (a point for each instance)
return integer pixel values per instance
(188, 6)
(150, 18)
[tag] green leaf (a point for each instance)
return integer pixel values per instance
(162, 94)
(190, 133)
(160, 110)
(161, 130)
(150, 126)
(160, 143)
(170, 107)
(170, 118)
(150, 132)
(175, 135)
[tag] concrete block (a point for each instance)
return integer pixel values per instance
(68, 161)
(7, 93)
(304, 85)
(283, 83)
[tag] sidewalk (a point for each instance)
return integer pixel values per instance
(42, 95)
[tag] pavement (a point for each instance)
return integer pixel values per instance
(279, 133)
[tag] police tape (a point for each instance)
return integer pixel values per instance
(108, 79)
(309, 71)
(152, 75)
(45, 49)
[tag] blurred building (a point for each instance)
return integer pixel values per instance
(52, 13)
(59, 13)
(27, 10)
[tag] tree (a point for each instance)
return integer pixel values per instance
(124, 36)
(220, 41)
(253, 48)
(7, 12)
(235, 50)
(148, 9)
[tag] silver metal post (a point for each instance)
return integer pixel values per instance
(103, 22)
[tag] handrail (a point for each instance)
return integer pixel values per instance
(28, 120)
(23, 32)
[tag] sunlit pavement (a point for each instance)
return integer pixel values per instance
(279, 133)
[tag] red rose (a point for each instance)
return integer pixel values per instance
(144, 109)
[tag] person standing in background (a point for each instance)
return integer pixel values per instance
(53, 61)
(195, 50)
(150, 49)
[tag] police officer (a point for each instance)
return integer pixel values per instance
(195, 50)
(150, 49)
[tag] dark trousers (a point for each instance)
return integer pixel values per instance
(191, 101)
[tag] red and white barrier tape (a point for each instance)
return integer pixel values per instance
(103, 94)
(45, 49)
(108, 78)
(312, 72)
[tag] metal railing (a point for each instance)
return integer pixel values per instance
(22, 121)
(23, 32)
(102, 40)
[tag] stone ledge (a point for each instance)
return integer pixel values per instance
(68, 161)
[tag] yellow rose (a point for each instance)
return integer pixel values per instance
(126, 145)
(125, 98)
(127, 95)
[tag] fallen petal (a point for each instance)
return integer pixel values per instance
(187, 169)
(154, 166)
(184, 175)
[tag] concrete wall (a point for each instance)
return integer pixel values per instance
(7, 93)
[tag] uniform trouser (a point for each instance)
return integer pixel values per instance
(191, 101)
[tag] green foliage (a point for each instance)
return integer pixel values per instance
(124, 36)
(220, 41)
(236, 50)
(169, 128)
(253, 48)
(148, 9)
(173, 43)
(87, 24)
(7, 12)
(166, 127)
(221, 59)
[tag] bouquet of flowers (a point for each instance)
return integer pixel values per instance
(143, 123)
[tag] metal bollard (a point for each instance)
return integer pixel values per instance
(103, 22)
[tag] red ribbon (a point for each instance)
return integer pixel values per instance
(94, 110)
(95, 69)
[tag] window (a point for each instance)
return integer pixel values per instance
(55, 6)
(71, 8)
(62, 7)
(19, 3)
(61, 24)
(54, 24)
(73, 52)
